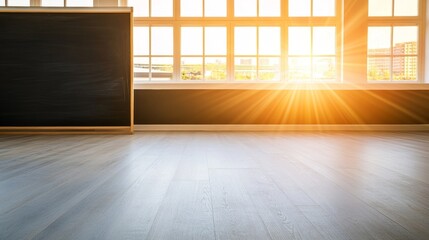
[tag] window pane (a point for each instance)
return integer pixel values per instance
(162, 8)
(141, 7)
(379, 40)
(245, 8)
(191, 8)
(141, 40)
(215, 41)
(325, 8)
(2, 2)
(192, 68)
(245, 69)
(141, 68)
(324, 40)
(192, 41)
(162, 68)
(269, 69)
(52, 3)
(299, 8)
(406, 7)
(405, 40)
(215, 8)
(299, 41)
(269, 41)
(269, 8)
(245, 41)
(405, 68)
(324, 68)
(379, 8)
(378, 68)
(299, 68)
(18, 3)
(162, 41)
(80, 3)
(215, 68)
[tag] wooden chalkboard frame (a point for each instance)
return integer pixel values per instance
(81, 129)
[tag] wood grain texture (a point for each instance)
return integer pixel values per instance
(215, 185)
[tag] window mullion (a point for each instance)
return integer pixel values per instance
(391, 52)
(204, 53)
(311, 52)
(150, 53)
(176, 52)
(230, 53)
(257, 54)
(284, 52)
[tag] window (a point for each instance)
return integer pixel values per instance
(312, 8)
(257, 8)
(153, 53)
(313, 48)
(257, 41)
(203, 8)
(2, 3)
(152, 8)
(312, 53)
(389, 8)
(18, 3)
(203, 53)
(257, 53)
(238, 41)
(393, 42)
(79, 3)
(52, 3)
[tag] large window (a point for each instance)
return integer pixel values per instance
(239, 41)
(394, 34)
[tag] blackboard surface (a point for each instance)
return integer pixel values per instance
(65, 69)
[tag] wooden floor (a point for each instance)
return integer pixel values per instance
(215, 186)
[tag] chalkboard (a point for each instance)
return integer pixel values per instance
(68, 68)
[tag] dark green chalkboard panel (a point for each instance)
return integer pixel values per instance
(65, 69)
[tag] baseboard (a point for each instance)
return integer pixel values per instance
(269, 127)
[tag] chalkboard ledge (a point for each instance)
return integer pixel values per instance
(66, 130)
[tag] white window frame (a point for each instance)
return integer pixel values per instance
(230, 21)
(398, 21)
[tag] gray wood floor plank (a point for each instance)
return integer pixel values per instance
(235, 216)
(186, 213)
(193, 165)
(215, 185)
(407, 206)
(31, 183)
(38, 212)
(282, 218)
